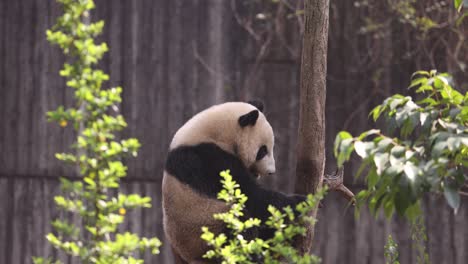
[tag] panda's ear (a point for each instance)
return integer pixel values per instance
(248, 119)
(256, 103)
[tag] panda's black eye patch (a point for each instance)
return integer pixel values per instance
(262, 151)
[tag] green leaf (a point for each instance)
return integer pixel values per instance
(424, 88)
(438, 148)
(376, 112)
(389, 207)
(343, 147)
(372, 179)
(368, 133)
(458, 4)
(452, 196)
(418, 82)
(384, 143)
(363, 148)
(422, 73)
(398, 151)
(411, 171)
(381, 161)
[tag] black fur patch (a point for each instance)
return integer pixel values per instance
(249, 119)
(256, 103)
(199, 167)
(262, 152)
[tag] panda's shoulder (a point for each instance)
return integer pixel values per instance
(199, 166)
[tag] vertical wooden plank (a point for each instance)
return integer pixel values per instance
(378, 240)
(10, 233)
(439, 235)
(400, 232)
(24, 72)
(363, 235)
(3, 87)
(175, 65)
(37, 220)
(18, 215)
(39, 124)
(5, 220)
(333, 230)
(131, 82)
(28, 224)
(11, 56)
(56, 94)
(460, 233)
(345, 213)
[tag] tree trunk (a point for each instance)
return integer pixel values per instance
(311, 138)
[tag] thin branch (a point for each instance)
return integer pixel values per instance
(280, 29)
(335, 182)
(206, 65)
(245, 24)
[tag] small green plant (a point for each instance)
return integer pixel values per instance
(94, 199)
(429, 152)
(391, 251)
(419, 238)
(235, 248)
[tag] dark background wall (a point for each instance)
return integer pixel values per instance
(175, 58)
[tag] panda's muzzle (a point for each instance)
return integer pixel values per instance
(254, 171)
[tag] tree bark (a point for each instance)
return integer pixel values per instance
(311, 137)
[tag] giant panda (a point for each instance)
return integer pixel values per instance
(234, 136)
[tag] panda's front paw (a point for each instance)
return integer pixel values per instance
(297, 198)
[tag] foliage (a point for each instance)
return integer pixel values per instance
(93, 199)
(429, 153)
(235, 248)
(419, 238)
(391, 251)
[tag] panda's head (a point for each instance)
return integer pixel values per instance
(255, 141)
(238, 128)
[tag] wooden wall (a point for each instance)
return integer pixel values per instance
(175, 58)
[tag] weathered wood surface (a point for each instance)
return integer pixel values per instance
(174, 58)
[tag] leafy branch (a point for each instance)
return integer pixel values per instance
(97, 152)
(428, 154)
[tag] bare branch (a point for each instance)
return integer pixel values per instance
(280, 25)
(335, 182)
(246, 24)
(206, 65)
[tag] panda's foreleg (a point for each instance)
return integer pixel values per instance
(260, 199)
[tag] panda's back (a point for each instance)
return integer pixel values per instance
(184, 213)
